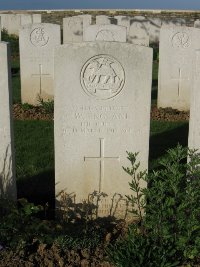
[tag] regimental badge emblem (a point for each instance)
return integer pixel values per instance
(102, 77)
(181, 40)
(39, 37)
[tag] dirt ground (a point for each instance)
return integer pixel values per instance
(39, 113)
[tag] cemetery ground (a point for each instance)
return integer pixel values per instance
(30, 235)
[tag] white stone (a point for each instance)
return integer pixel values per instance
(0, 29)
(13, 22)
(102, 109)
(103, 19)
(138, 32)
(154, 26)
(36, 18)
(73, 28)
(7, 168)
(194, 123)
(37, 42)
(174, 22)
(26, 19)
(110, 33)
(175, 66)
(197, 23)
(123, 21)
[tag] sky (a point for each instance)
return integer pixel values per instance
(100, 4)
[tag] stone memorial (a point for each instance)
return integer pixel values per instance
(194, 123)
(7, 168)
(102, 109)
(123, 21)
(109, 33)
(197, 23)
(175, 66)
(103, 19)
(73, 28)
(153, 28)
(138, 31)
(37, 42)
(13, 22)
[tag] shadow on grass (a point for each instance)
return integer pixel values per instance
(160, 142)
(39, 189)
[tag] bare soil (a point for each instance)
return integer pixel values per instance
(39, 113)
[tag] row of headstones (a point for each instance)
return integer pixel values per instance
(13, 22)
(150, 26)
(102, 109)
(37, 43)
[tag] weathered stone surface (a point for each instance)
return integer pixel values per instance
(197, 23)
(138, 31)
(194, 122)
(103, 19)
(73, 28)
(175, 66)
(37, 42)
(109, 33)
(102, 109)
(13, 22)
(7, 168)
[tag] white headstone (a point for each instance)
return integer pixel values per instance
(36, 18)
(37, 42)
(26, 19)
(174, 22)
(194, 123)
(197, 23)
(102, 109)
(13, 22)
(138, 32)
(154, 29)
(175, 66)
(123, 21)
(0, 28)
(7, 168)
(109, 33)
(103, 19)
(73, 28)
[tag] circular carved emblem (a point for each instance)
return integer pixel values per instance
(39, 37)
(102, 77)
(181, 40)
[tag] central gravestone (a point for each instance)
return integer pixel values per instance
(102, 109)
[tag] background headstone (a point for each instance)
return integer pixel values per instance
(138, 31)
(13, 22)
(73, 28)
(37, 42)
(197, 23)
(103, 19)
(7, 166)
(175, 66)
(154, 26)
(110, 33)
(102, 109)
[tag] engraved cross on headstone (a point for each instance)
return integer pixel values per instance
(40, 76)
(101, 158)
(180, 79)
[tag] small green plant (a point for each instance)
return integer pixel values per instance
(48, 106)
(167, 232)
